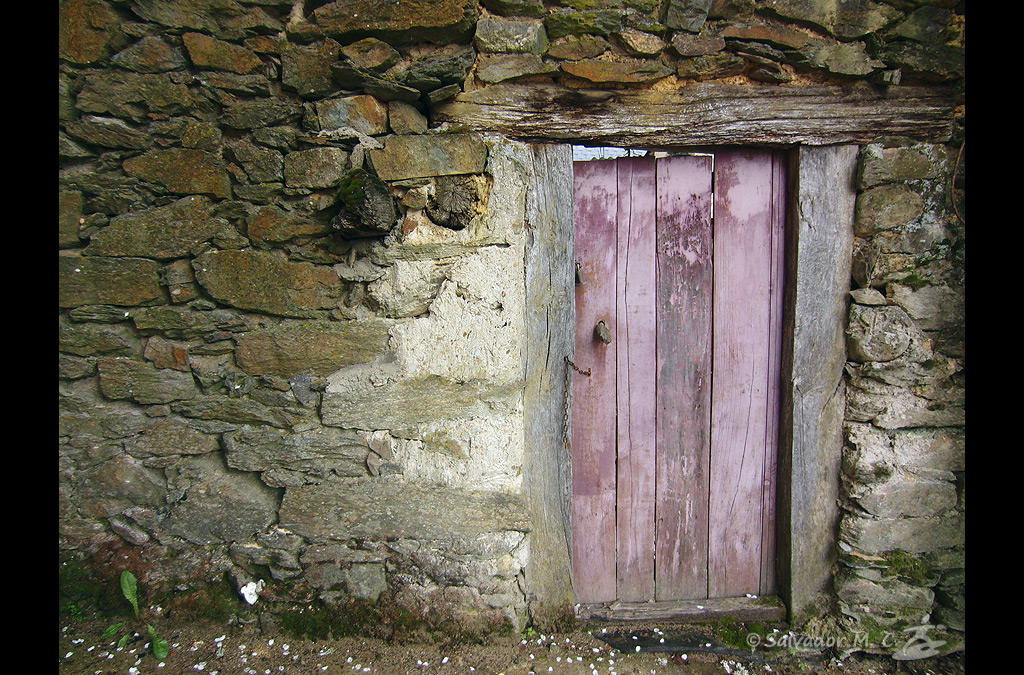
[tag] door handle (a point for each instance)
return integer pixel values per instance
(602, 332)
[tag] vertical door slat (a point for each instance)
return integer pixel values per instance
(743, 216)
(684, 376)
(593, 435)
(773, 386)
(635, 338)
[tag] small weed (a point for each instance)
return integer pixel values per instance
(530, 633)
(130, 591)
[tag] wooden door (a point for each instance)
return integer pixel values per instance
(674, 430)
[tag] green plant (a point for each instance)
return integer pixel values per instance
(130, 591)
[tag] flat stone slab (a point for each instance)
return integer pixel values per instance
(420, 156)
(375, 508)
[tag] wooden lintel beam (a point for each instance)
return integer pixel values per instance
(705, 114)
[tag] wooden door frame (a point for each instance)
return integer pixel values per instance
(822, 127)
(819, 249)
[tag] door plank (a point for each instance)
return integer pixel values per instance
(635, 337)
(684, 260)
(774, 384)
(593, 433)
(743, 209)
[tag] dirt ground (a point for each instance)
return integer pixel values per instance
(214, 649)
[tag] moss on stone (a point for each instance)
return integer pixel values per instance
(902, 564)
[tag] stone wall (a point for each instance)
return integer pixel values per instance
(902, 533)
(291, 309)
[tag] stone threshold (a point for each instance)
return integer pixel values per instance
(766, 609)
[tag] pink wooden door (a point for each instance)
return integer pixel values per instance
(674, 431)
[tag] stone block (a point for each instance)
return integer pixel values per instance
(321, 454)
(216, 505)
(887, 207)
(846, 20)
(166, 354)
(437, 21)
(74, 367)
(259, 113)
(363, 113)
(534, 8)
(404, 118)
(928, 25)
(378, 508)
(195, 14)
(266, 283)
(639, 43)
(164, 232)
(914, 535)
(86, 30)
(150, 55)
(208, 52)
(307, 70)
(907, 495)
(365, 582)
(127, 379)
(119, 93)
(688, 15)
(926, 63)
(850, 59)
(931, 307)
(371, 54)
(896, 407)
(940, 449)
(407, 288)
(493, 68)
(353, 400)
(883, 594)
(108, 281)
(69, 216)
(405, 157)
(187, 323)
(241, 411)
(108, 132)
(494, 34)
(878, 333)
(261, 165)
(271, 224)
(577, 47)
(314, 348)
(562, 21)
(126, 482)
(315, 168)
(438, 67)
(782, 37)
(880, 164)
(182, 171)
(631, 71)
(169, 437)
(711, 66)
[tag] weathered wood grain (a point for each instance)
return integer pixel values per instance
(636, 344)
(550, 320)
(737, 609)
(769, 515)
(813, 400)
(594, 436)
(684, 376)
(705, 114)
(742, 265)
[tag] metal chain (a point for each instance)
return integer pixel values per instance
(569, 367)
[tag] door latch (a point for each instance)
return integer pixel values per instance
(602, 332)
